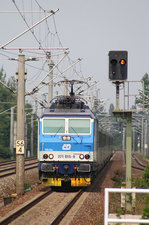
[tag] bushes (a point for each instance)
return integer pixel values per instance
(5, 152)
(143, 182)
(118, 179)
(146, 175)
(145, 213)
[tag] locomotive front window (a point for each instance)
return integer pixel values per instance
(79, 126)
(54, 126)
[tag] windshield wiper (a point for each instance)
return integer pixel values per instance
(77, 134)
(57, 131)
(75, 140)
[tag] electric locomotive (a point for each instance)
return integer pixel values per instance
(71, 145)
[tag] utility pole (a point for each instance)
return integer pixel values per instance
(25, 136)
(142, 136)
(51, 65)
(32, 152)
(124, 138)
(12, 131)
(145, 138)
(133, 139)
(20, 126)
(128, 116)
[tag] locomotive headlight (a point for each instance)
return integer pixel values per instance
(81, 156)
(45, 156)
(68, 138)
(51, 156)
(87, 156)
(64, 138)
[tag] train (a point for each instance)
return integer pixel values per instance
(72, 146)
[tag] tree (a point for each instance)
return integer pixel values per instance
(7, 100)
(29, 113)
(12, 83)
(144, 99)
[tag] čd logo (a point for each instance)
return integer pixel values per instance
(66, 147)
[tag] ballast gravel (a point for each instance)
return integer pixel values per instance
(89, 209)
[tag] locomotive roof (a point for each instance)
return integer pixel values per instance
(68, 112)
(68, 106)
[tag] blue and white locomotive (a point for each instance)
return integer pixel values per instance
(71, 145)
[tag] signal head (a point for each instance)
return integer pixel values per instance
(118, 65)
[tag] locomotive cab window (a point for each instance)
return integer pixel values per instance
(79, 126)
(54, 126)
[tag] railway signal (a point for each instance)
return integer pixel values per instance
(118, 65)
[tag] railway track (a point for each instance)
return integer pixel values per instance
(65, 202)
(9, 168)
(138, 163)
(52, 207)
(18, 212)
(11, 162)
(65, 210)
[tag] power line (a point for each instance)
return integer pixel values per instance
(29, 29)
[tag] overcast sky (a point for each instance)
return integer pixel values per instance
(90, 28)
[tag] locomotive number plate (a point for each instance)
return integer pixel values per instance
(66, 156)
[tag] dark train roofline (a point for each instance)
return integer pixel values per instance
(68, 106)
(68, 112)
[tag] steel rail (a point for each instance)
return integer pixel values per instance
(138, 161)
(14, 167)
(6, 220)
(14, 172)
(135, 158)
(60, 214)
(71, 203)
(13, 161)
(67, 208)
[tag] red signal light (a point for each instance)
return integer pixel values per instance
(45, 156)
(122, 62)
(87, 156)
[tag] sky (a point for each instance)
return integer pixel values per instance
(90, 29)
